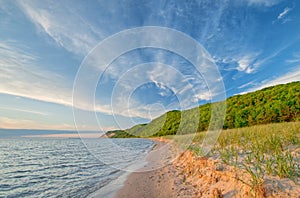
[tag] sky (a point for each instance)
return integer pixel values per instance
(45, 44)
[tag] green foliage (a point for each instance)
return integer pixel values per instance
(166, 124)
(257, 178)
(285, 165)
(171, 124)
(280, 103)
(119, 134)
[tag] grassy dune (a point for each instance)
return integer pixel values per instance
(261, 152)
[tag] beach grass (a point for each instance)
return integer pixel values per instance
(259, 151)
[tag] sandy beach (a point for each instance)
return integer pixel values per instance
(191, 176)
(159, 178)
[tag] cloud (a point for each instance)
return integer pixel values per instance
(169, 82)
(282, 17)
(164, 77)
(25, 111)
(129, 73)
(21, 77)
(251, 83)
(11, 123)
(295, 59)
(267, 3)
(289, 77)
(64, 25)
(245, 63)
(286, 78)
(253, 61)
(203, 96)
(262, 61)
(69, 29)
(284, 12)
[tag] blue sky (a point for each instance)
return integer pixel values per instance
(253, 43)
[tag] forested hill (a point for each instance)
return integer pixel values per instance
(280, 103)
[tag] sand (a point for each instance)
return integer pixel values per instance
(189, 176)
(159, 178)
(157, 183)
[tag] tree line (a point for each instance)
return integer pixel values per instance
(280, 103)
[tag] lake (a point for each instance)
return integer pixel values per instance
(66, 167)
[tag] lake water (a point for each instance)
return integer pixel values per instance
(49, 167)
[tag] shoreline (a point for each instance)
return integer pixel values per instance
(159, 177)
(193, 176)
(146, 183)
(112, 189)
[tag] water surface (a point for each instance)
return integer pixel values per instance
(41, 167)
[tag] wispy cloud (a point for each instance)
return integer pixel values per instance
(254, 61)
(283, 16)
(68, 29)
(245, 63)
(21, 77)
(267, 3)
(251, 83)
(204, 95)
(25, 111)
(129, 75)
(168, 81)
(289, 77)
(294, 59)
(164, 77)
(284, 12)
(234, 37)
(11, 123)
(263, 61)
(7, 122)
(286, 78)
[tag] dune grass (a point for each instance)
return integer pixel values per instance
(259, 151)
